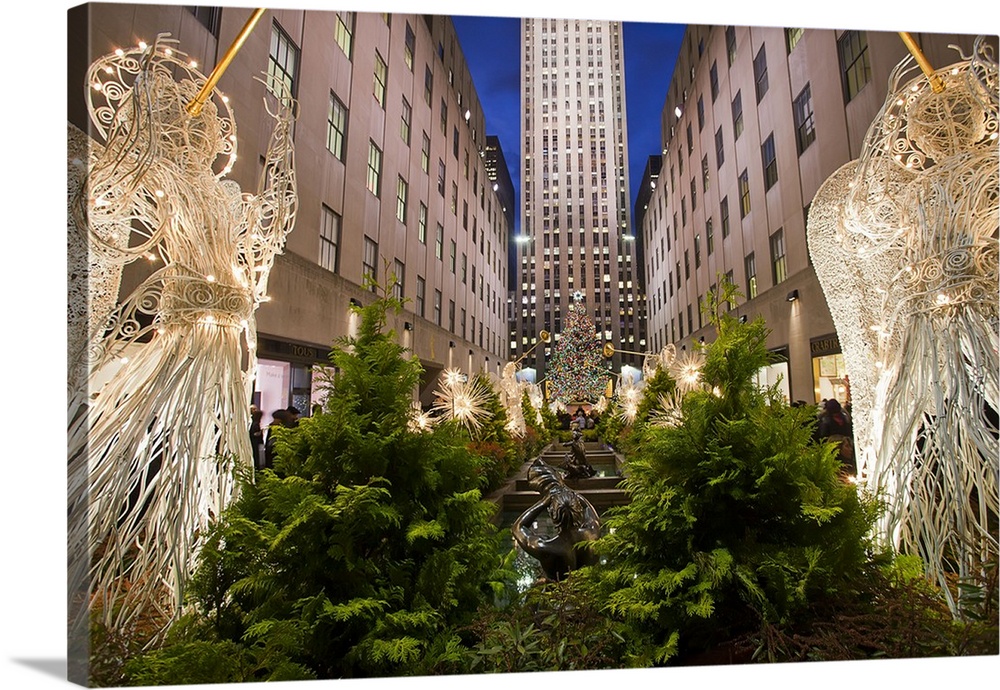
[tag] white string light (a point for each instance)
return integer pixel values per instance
(905, 238)
(180, 402)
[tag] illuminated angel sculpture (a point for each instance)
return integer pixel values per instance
(152, 450)
(904, 241)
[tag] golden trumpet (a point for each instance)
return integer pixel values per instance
(937, 84)
(194, 108)
(543, 337)
(609, 351)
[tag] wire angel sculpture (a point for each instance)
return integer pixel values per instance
(153, 450)
(904, 241)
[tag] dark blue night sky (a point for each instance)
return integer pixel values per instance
(492, 48)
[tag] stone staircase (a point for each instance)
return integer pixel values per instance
(603, 490)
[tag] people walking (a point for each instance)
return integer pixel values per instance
(834, 425)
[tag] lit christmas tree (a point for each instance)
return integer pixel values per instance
(576, 372)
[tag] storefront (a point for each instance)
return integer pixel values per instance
(829, 373)
(288, 374)
(776, 374)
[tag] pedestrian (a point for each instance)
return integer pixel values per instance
(256, 436)
(293, 415)
(281, 419)
(834, 425)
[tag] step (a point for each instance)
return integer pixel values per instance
(601, 499)
(580, 485)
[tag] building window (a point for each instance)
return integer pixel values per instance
(409, 47)
(720, 154)
(744, 184)
(855, 69)
(428, 84)
(419, 301)
(750, 268)
(439, 243)
(697, 251)
(687, 265)
(425, 153)
(444, 118)
(792, 37)
(704, 173)
(737, 115)
(690, 140)
(369, 263)
(465, 267)
(379, 81)
(778, 268)
(437, 307)
(422, 224)
(336, 127)
(451, 315)
(344, 32)
(713, 76)
(701, 113)
(282, 63)
(694, 194)
(374, 167)
(402, 191)
(769, 161)
(452, 251)
(709, 237)
(405, 117)
(802, 111)
(209, 18)
(329, 239)
(398, 278)
(760, 73)
(731, 44)
(441, 177)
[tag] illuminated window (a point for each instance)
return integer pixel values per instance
(369, 262)
(329, 240)
(336, 127)
(374, 168)
(750, 268)
(402, 192)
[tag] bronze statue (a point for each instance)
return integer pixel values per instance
(572, 515)
(576, 464)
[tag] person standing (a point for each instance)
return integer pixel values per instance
(834, 425)
(256, 436)
(281, 418)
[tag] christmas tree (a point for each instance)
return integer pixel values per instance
(576, 372)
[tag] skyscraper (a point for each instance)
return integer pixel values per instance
(575, 222)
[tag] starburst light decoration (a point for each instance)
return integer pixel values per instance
(462, 400)
(419, 421)
(152, 450)
(629, 397)
(668, 412)
(686, 370)
(904, 241)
